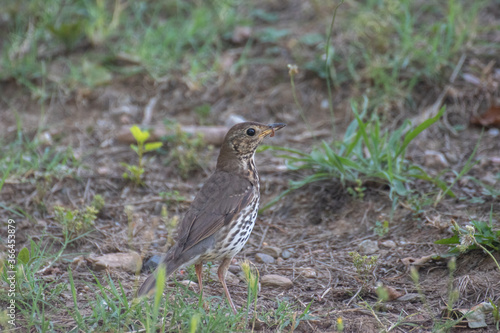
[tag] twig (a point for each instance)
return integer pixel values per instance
(148, 111)
(355, 295)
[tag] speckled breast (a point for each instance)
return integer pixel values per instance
(231, 238)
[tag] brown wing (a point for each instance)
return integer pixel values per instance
(219, 200)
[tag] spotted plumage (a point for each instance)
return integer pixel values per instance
(221, 218)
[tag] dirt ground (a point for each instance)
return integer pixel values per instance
(318, 224)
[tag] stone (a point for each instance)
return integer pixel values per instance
(309, 272)
(435, 159)
(368, 246)
(130, 262)
(264, 258)
(286, 254)
(388, 243)
(152, 263)
(273, 251)
(235, 269)
(278, 281)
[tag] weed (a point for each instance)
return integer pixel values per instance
(364, 265)
(203, 111)
(252, 278)
(185, 151)
(135, 172)
(478, 234)
(172, 197)
(98, 202)
(358, 190)
(365, 153)
(34, 295)
(381, 229)
(23, 158)
(76, 223)
(340, 325)
(425, 41)
(495, 312)
(170, 224)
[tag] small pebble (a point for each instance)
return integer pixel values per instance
(309, 273)
(264, 258)
(235, 269)
(273, 280)
(152, 263)
(273, 251)
(389, 243)
(368, 247)
(286, 254)
(493, 132)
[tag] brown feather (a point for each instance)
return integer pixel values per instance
(208, 213)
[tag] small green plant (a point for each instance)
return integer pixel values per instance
(135, 172)
(358, 190)
(172, 197)
(381, 228)
(340, 325)
(364, 265)
(366, 153)
(77, 222)
(170, 224)
(98, 202)
(185, 151)
(478, 234)
(495, 312)
(203, 111)
(252, 278)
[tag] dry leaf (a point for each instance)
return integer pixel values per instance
(490, 118)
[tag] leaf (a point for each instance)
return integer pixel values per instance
(139, 135)
(423, 126)
(447, 241)
(24, 256)
(490, 118)
(152, 146)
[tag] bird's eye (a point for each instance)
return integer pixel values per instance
(251, 132)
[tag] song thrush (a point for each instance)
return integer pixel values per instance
(220, 219)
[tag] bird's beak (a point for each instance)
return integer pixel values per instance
(271, 128)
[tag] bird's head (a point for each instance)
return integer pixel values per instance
(242, 140)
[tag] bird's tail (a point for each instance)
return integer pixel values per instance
(148, 285)
(166, 263)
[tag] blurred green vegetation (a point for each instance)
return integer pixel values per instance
(90, 40)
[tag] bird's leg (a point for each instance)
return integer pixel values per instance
(199, 273)
(199, 268)
(222, 278)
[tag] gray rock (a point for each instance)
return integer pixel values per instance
(368, 247)
(286, 254)
(278, 281)
(273, 251)
(388, 243)
(264, 258)
(152, 263)
(235, 269)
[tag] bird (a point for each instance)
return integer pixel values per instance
(221, 218)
